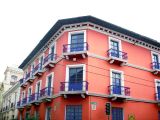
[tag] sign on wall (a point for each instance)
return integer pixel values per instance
(93, 105)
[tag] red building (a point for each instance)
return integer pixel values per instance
(83, 63)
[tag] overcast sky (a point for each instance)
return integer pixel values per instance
(23, 23)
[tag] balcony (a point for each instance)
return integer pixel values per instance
(49, 60)
(22, 82)
(117, 57)
(75, 51)
(30, 77)
(118, 93)
(156, 68)
(74, 88)
(34, 99)
(38, 70)
(46, 94)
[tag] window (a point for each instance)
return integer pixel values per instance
(117, 113)
(75, 77)
(115, 47)
(48, 113)
(40, 62)
(36, 114)
(29, 93)
(38, 88)
(155, 61)
(74, 112)
(77, 41)
(157, 83)
(117, 82)
(14, 78)
(49, 84)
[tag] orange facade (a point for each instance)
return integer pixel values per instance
(137, 100)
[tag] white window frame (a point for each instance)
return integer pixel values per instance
(53, 44)
(76, 32)
(156, 91)
(122, 78)
(155, 54)
(52, 81)
(67, 74)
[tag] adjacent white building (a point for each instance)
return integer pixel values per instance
(9, 93)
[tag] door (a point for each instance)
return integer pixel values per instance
(38, 90)
(117, 113)
(41, 62)
(158, 115)
(29, 94)
(116, 83)
(155, 61)
(77, 42)
(48, 113)
(52, 53)
(73, 112)
(115, 49)
(158, 90)
(49, 85)
(32, 70)
(75, 78)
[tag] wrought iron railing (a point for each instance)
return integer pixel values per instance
(34, 97)
(117, 54)
(119, 90)
(50, 57)
(21, 81)
(75, 47)
(47, 91)
(155, 65)
(38, 67)
(74, 86)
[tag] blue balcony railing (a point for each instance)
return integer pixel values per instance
(155, 65)
(18, 103)
(29, 76)
(119, 90)
(47, 91)
(49, 58)
(117, 54)
(38, 68)
(74, 86)
(34, 97)
(75, 47)
(24, 101)
(157, 96)
(21, 81)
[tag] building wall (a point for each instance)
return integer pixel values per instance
(141, 82)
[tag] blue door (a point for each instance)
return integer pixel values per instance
(77, 42)
(75, 78)
(116, 83)
(73, 112)
(115, 49)
(117, 113)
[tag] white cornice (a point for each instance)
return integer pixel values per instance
(91, 26)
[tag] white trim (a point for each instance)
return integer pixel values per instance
(122, 77)
(74, 66)
(52, 81)
(76, 32)
(152, 52)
